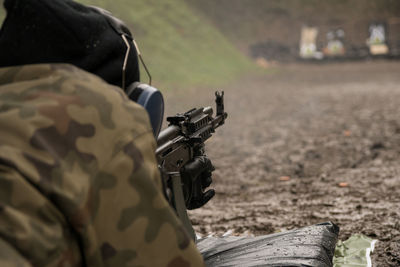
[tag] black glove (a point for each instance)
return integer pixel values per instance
(196, 177)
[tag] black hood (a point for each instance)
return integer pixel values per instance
(63, 31)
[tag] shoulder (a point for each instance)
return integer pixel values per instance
(58, 109)
(68, 87)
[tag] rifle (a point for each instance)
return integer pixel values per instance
(180, 143)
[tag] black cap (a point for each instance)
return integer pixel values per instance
(63, 31)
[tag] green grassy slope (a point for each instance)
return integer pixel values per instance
(180, 48)
(2, 12)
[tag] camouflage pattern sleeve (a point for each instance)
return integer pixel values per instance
(79, 183)
(9, 256)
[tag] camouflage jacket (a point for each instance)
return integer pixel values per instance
(79, 185)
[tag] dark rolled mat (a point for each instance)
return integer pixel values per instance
(308, 246)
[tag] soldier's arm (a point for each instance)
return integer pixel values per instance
(81, 175)
(134, 221)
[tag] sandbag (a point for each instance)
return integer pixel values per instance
(308, 246)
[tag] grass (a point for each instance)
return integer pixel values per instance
(2, 12)
(180, 48)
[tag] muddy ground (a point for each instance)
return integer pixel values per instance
(304, 144)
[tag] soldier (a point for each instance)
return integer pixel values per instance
(79, 183)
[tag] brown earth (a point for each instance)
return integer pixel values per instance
(306, 144)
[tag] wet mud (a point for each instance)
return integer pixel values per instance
(304, 144)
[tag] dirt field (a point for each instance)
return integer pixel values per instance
(305, 144)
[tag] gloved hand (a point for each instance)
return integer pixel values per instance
(196, 177)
